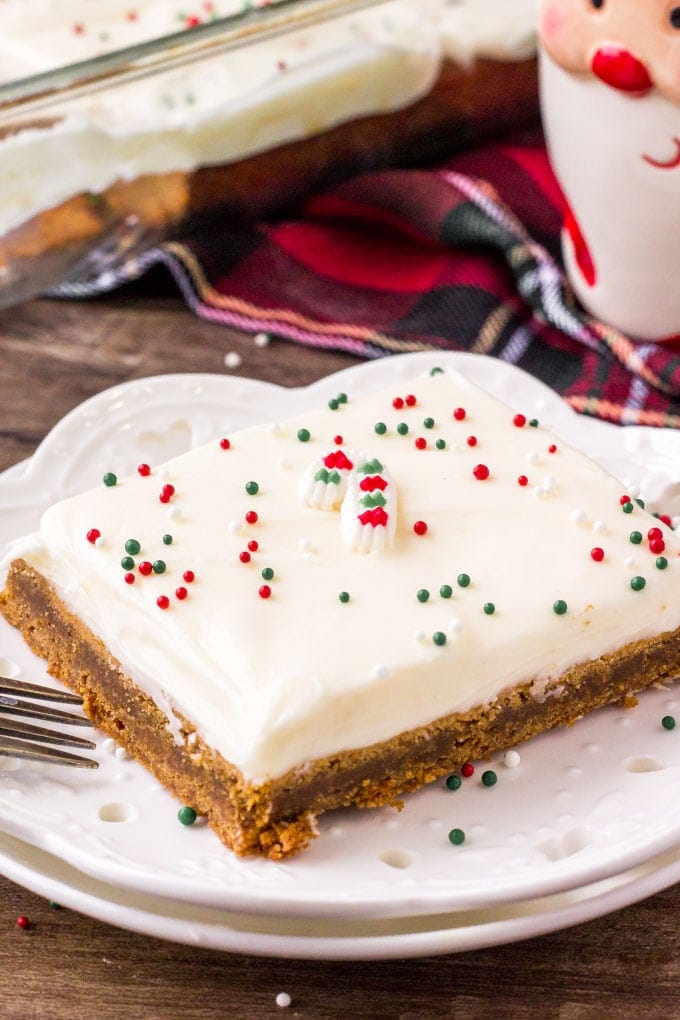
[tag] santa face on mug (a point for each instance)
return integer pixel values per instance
(610, 83)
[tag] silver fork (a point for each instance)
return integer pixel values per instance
(24, 740)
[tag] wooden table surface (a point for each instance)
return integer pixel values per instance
(54, 355)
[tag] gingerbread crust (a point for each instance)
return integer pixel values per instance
(278, 818)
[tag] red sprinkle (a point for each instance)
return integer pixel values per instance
(410, 400)
(397, 403)
(597, 554)
(145, 568)
(251, 517)
(421, 443)
(624, 499)
(162, 601)
(338, 440)
(129, 578)
(471, 440)
(420, 528)
(225, 444)
(522, 480)
(481, 472)
(519, 421)
(264, 591)
(189, 576)
(654, 533)
(657, 546)
(244, 557)
(552, 448)
(168, 490)
(93, 534)
(253, 545)
(144, 470)
(459, 414)
(666, 520)
(23, 922)
(181, 593)
(467, 770)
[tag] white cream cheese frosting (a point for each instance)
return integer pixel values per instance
(224, 108)
(512, 560)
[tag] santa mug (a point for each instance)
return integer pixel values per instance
(610, 82)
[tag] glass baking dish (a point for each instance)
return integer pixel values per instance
(137, 124)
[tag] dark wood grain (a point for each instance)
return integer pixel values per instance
(53, 356)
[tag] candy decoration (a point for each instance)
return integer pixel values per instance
(252, 488)
(481, 472)
(453, 782)
(162, 601)
(420, 528)
(109, 479)
(597, 554)
(457, 837)
(225, 444)
(668, 722)
(144, 470)
(489, 778)
(467, 770)
(264, 591)
(368, 514)
(186, 815)
(324, 483)
(189, 576)
(93, 534)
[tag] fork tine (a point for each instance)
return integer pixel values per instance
(14, 728)
(34, 752)
(13, 706)
(9, 686)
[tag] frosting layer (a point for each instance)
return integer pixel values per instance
(512, 559)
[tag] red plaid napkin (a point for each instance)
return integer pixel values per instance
(465, 256)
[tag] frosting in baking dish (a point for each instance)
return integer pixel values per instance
(224, 108)
(511, 560)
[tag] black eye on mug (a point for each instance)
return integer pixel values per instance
(674, 17)
(597, 4)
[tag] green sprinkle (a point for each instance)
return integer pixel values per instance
(441, 444)
(380, 428)
(109, 478)
(344, 596)
(428, 423)
(132, 546)
(559, 607)
(463, 580)
(661, 563)
(436, 371)
(304, 435)
(457, 837)
(268, 574)
(628, 508)
(54, 905)
(127, 563)
(533, 422)
(333, 404)
(637, 583)
(489, 608)
(453, 782)
(489, 778)
(439, 638)
(640, 503)
(342, 398)
(158, 566)
(635, 537)
(186, 815)
(167, 539)
(446, 591)
(252, 488)
(668, 722)
(402, 428)
(423, 595)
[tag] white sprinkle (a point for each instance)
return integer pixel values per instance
(234, 527)
(675, 522)
(633, 491)
(538, 491)
(511, 759)
(600, 527)
(578, 516)
(121, 754)
(455, 626)
(305, 545)
(380, 671)
(274, 429)
(164, 475)
(283, 1000)
(629, 561)
(233, 359)
(419, 636)
(174, 513)
(100, 543)
(109, 745)
(261, 339)
(532, 457)
(283, 463)
(549, 483)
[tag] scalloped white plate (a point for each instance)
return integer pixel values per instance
(585, 804)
